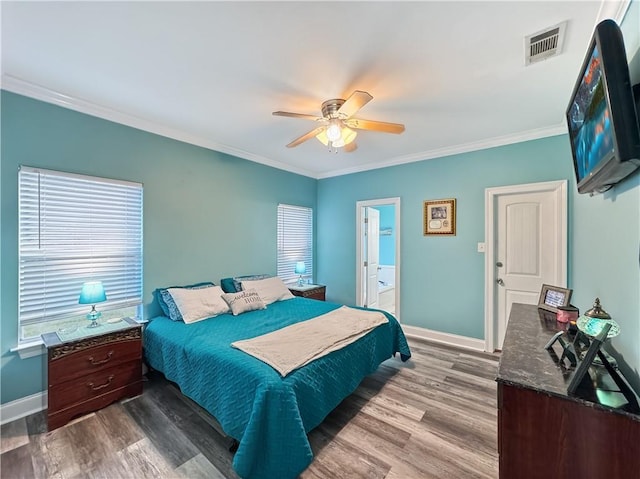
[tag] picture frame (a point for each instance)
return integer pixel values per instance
(553, 297)
(587, 359)
(439, 217)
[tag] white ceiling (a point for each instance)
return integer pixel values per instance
(211, 73)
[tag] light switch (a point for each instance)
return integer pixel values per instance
(480, 247)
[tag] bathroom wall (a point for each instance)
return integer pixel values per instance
(387, 241)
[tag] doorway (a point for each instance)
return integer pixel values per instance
(526, 247)
(378, 254)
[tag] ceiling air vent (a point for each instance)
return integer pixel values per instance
(544, 44)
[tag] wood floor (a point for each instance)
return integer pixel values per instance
(432, 417)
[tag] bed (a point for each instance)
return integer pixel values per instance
(267, 414)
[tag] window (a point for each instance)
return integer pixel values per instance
(295, 241)
(74, 229)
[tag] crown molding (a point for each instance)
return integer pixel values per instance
(614, 9)
(519, 137)
(22, 87)
(37, 92)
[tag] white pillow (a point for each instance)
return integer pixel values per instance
(243, 301)
(269, 289)
(198, 304)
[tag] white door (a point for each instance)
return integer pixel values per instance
(372, 233)
(361, 250)
(529, 246)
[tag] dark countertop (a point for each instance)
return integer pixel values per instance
(525, 362)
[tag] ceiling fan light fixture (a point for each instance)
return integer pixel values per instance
(322, 137)
(338, 124)
(339, 143)
(334, 131)
(347, 135)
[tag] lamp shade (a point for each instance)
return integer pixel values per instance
(347, 136)
(334, 130)
(300, 267)
(92, 293)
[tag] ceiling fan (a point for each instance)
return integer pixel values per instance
(337, 125)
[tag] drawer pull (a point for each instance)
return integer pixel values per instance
(102, 361)
(102, 386)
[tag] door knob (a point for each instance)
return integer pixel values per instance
(500, 282)
(499, 264)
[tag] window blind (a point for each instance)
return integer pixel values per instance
(295, 241)
(72, 229)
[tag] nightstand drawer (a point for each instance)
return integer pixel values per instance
(65, 394)
(71, 365)
(56, 419)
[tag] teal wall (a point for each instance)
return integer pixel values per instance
(442, 278)
(387, 243)
(207, 215)
(604, 255)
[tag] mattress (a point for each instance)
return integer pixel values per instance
(270, 416)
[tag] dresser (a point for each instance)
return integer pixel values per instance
(92, 369)
(545, 433)
(312, 291)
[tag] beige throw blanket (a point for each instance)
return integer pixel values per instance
(292, 347)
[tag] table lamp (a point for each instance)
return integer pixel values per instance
(300, 269)
(92, 293)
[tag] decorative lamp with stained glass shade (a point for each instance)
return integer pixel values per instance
(593, 320)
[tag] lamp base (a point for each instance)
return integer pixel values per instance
(300, 281)
(93, 316)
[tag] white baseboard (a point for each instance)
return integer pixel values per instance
(23, 407)
(444, 338)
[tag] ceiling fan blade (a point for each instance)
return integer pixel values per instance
(349, 147)
(305, 137)
(374, 125)
(297, 115)
(357, 100)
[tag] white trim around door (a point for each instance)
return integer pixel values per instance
(360, 206)
(559, 188)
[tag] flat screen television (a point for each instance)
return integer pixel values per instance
(601, 116)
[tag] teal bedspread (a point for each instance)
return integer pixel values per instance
(269, 415)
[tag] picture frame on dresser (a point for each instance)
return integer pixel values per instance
(587, 359)
(553, 297)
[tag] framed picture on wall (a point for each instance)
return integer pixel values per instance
(553, 297)
(440, 217)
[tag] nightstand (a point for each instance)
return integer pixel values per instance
(312, 291)
(89, 368)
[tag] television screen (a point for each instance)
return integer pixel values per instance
(590, 119)
(601, 115)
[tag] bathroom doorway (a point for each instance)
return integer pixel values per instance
(378, 254)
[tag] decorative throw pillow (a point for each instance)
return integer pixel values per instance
(196, 304)
(228, 285)
(269, 289)
(237, 280)
(167, 304)
(244, 301)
